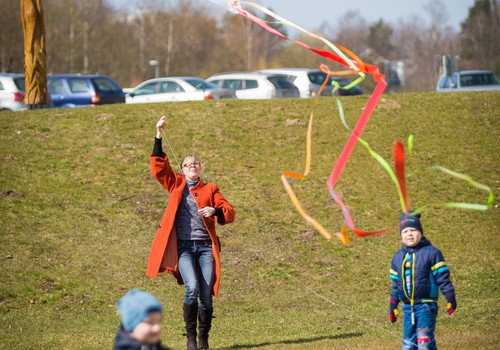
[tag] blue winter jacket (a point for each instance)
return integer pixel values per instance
(428, 273)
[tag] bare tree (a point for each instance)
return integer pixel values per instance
(186, 39)
(11, 35)
(352, 32)
(420, 46)
(480, 36)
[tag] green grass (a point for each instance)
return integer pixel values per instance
(79, 208)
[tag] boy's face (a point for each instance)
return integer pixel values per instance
(411, 236)
(149, 330)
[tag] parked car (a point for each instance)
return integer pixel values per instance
(255, 85)
(309, 81)
(468, 80)
(12, 92)
(177, 89)
(79, 90)
(352, 91)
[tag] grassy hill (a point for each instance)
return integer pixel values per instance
(79, 208)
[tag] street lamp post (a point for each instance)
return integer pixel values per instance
(156, 64)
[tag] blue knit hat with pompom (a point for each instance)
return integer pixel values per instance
(135, 306)
(411, 219)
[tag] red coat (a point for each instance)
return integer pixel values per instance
(163, 256)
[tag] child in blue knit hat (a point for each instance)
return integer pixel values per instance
(141, 316)
(417, 271)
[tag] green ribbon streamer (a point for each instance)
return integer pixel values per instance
(387, 167)
(410, 143)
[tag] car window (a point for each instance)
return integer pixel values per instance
(170, 86)
(251, 84)
(200, 84)
(292, 78)
(218, 82)
(1, 86)
(20, 83)
(196, 83)
(281, 82)
(233, 84)
(318, 78)
(55, 87)
(477, 79)
(147, 89)
(78, 85)
(105, 85)
(342, 82)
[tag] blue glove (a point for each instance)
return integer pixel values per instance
(393, 311)
(451, 306)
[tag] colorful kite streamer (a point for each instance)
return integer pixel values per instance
(354, 66)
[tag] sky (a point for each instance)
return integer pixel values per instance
(310, 14)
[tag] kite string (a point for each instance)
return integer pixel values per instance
(175, 157)
(171, 149)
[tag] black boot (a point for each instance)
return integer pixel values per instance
(190, 316)
(205, 318)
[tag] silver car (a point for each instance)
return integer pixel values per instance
(12, 87)
(468, 80)
(176, 89)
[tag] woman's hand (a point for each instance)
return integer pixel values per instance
(159, 127)
(207, 211)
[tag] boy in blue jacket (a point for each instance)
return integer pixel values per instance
(141, 316)
(417, 271)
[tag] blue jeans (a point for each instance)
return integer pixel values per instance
(420, 334)
(196, 266)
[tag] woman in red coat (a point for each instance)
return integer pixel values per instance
(186, 244)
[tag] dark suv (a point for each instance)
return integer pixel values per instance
(78, 90)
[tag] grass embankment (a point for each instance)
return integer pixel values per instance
(79, 208)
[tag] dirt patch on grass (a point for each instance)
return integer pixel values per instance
(104, 116)
(291, 122)
(10, 193)
(388, 104)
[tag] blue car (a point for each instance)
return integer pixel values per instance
(79, 90)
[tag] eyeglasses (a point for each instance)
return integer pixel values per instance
(188, 165)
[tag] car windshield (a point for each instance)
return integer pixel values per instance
(200, 84)
(478, 79)
(147, 89)
(448, 81)
(20, 83)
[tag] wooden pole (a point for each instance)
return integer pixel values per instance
(34, 53)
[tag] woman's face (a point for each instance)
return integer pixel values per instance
(191, 168)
